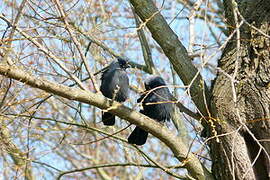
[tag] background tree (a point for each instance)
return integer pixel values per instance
(51, 104)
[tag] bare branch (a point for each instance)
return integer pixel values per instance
(179, 149)
(16, 154)
(86, 64)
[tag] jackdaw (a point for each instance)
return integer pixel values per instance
(156, 105)
(114, 85)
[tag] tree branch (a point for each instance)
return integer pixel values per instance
(147, 54)
(17, 156)
(180, 150)
(112, 165)
(174, 50)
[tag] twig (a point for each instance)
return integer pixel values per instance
(13, 28)
(77, 44)
(191, 18)
(48, 53)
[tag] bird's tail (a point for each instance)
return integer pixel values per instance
(108, 119)
(138, 136)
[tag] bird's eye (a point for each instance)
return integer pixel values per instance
(122, 63)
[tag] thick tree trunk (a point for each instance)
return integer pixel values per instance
(243, 150)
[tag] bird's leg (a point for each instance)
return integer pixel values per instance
(116, 90)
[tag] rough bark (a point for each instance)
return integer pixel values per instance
(247, 120)
(233, 154)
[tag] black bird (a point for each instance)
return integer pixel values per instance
(156, 95)
(114, 85)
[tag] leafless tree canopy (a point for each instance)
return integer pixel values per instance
(214, 55)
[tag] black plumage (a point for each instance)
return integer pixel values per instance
(156, 101)
(114, 85)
